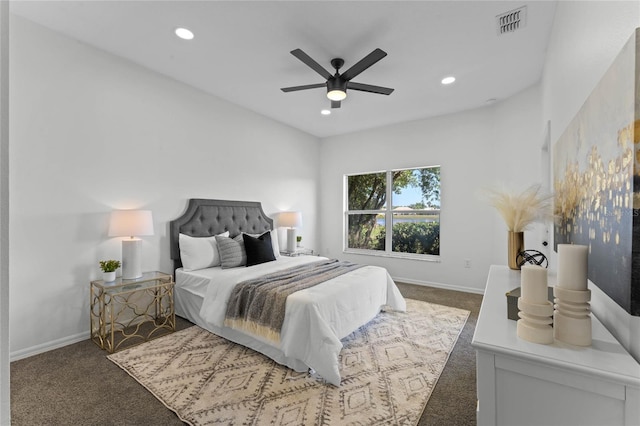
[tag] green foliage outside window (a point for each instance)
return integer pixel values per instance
(430, 185)
(418, 238)
(363, 231)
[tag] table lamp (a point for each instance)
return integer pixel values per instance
(292, 220)
(132, 224)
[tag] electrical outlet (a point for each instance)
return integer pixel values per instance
(467, 263)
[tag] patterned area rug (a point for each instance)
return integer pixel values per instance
(389, 368)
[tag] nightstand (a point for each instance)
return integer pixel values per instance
(300, 251)
(127, 312)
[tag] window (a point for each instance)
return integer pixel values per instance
(407, 226)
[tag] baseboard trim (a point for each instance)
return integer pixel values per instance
(48, 346)
(439, 285)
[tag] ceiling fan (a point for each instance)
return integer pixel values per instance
(338, 84)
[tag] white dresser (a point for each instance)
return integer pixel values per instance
(523, 383)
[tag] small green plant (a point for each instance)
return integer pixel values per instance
(298, 238)
(109, 265)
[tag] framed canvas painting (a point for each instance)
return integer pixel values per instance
(596, 180)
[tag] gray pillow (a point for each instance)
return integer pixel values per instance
(232, 253)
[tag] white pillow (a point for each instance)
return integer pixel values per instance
(274, 242)
(199, 252)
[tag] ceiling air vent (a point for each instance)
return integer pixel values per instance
(511, 21)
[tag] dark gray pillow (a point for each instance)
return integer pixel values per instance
(232, 252)
(259, 250)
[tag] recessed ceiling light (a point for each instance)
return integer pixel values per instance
(325, 112)
(184, 33)
(448, 80)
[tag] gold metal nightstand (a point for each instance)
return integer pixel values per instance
(127, 312)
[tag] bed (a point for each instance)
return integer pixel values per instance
(315, 318)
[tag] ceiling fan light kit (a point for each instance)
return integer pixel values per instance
(336, 95)
(336, 89)
(338, 84)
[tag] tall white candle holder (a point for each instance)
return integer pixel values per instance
(535, 323)
(572, 316)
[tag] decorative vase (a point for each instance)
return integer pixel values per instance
(515, 246)
(108, 277)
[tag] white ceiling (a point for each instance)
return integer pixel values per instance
(241, 51)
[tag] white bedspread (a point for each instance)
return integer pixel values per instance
(316, 318)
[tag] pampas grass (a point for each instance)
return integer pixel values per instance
(521, 210)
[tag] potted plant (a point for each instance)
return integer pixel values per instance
(298, 240)
(109, 269)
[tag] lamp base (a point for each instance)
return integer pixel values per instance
(131, 258)
(291, 240)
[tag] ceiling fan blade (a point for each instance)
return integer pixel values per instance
(298, 53)
(335, 104)
(305, 87)
(369, 88)
(364, 63)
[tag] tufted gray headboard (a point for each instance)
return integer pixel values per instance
(204, 218)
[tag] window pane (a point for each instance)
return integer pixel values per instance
(367, 192)
(417, 232)
(416, 211)
(416, 188)
(366, 231)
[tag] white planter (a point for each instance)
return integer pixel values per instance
(109, 276)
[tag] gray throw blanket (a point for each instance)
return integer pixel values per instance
(257, 306)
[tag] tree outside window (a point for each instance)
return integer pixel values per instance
(412, 218)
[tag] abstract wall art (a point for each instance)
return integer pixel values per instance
(596, 180)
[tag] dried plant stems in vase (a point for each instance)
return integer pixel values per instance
(519, 211)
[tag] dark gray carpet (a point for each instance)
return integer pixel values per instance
(78, 385)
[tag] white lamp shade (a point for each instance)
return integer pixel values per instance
(130, 223)
(290, 219)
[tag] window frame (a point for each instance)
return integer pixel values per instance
(388, 215)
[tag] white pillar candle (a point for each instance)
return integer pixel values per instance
(533, 284)
(572, 266)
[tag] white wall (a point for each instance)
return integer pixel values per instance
(5, 406)
(586, 38)
(90, 133)
(476, 150)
